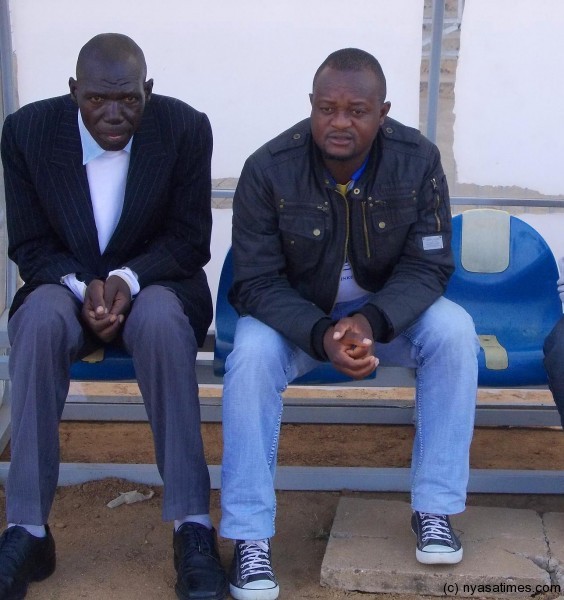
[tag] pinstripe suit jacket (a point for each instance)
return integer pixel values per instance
(164, 231)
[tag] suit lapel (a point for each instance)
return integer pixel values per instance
(71, 183)
(148, 170)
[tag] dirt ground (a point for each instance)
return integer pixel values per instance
(125, 553)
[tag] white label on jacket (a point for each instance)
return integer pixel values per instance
(433, 242)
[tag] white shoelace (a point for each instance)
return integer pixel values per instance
(254, 559)
(434, 526)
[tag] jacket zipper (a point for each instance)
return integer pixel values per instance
(437, 202)
(346, 241)
(347, 221)
(365, 229)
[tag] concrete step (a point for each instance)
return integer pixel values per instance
(507, 552)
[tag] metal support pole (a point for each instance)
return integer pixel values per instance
(9, 105)
(435, 68)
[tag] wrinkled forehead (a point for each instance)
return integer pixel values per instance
(124, 65)
(362, 83)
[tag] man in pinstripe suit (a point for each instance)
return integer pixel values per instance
(109, 221)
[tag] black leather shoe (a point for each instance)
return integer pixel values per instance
(24, 558)
(196, 560)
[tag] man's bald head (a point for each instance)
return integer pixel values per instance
(111, 88)
(110, 48)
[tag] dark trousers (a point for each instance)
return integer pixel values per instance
(46, 336)
(554, 364)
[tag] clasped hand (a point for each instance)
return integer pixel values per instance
(350, 348)
(105, 306)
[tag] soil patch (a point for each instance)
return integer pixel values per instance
(125, 553)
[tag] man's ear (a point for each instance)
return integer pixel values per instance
(72, 88)
(148, 88)
(311, 99)
(384, 110)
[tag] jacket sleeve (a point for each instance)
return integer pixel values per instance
(182, 247)
(425, 265)
(34, 246)
(261, 288)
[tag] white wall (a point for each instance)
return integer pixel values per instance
(509, 127)
(247, 63)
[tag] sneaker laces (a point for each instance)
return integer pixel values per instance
(255, 559)
(435, 527)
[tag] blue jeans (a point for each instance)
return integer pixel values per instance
(441, 345)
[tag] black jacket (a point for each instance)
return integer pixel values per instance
(292, 231)
(164, 231)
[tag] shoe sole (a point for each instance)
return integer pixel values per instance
(182, 596)
(438, 558)
(242, 594)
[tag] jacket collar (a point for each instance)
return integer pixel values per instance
(90, 147)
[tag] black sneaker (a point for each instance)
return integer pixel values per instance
(436, 541)
(251, 576)
(24, 558)
(197, 563)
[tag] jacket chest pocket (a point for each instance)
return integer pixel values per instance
(389, 220)
(303, 231)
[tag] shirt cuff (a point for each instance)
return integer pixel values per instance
(317, 335)
(129, 277)
(78, 288)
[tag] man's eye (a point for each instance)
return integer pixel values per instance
(357, 112)
(96, 99)
(130, 99)
(326, 110)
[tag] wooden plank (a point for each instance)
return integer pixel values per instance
(83, 390)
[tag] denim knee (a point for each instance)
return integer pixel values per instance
(255, 343)
(449, 326)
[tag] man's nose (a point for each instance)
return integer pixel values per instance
(341, 119)
(113, 113)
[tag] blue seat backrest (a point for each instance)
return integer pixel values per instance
(518, 305)
(226, 320)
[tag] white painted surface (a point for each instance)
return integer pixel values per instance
(248, 64)
(550, 227)
(220, 244)
(509, 127)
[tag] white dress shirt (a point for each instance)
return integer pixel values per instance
(107, 175)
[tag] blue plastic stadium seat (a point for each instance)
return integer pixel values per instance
(226, 320)
(115, 365)
(505, 278)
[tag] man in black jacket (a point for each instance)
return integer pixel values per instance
(109, 221)
(341, 247)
